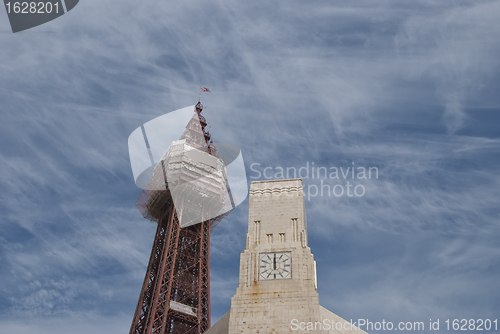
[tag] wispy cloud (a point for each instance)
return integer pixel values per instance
(456, 49)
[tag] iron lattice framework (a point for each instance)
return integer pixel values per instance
(179, 272)
(175, 295)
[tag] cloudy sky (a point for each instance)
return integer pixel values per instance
(409, 87)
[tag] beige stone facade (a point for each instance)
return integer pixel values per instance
(277, 280)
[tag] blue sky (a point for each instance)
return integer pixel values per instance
(408, 87)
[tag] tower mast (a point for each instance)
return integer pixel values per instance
(175, 295)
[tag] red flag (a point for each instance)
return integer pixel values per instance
(203, 89)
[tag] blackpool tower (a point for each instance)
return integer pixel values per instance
(187, 192)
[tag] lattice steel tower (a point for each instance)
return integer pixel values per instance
(187, 191)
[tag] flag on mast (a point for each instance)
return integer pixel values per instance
(204, 89)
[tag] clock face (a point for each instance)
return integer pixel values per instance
(275, 265)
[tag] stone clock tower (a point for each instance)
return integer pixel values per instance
(277, 269)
